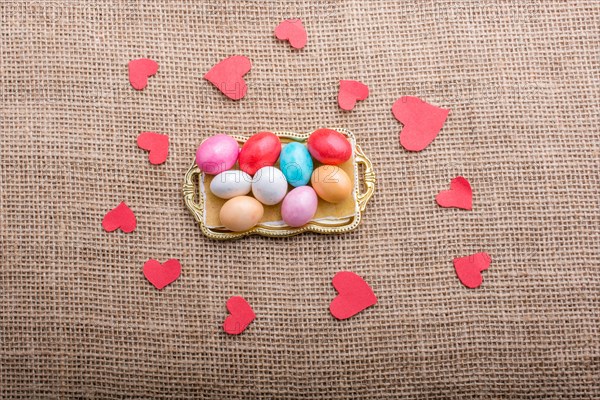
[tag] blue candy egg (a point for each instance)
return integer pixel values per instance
(296, 164)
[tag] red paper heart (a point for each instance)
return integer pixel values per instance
(293, 31)
(354, 295)
(241, 314)
(140, 70)
(156, 144)
(350, 92)
(160, 275)
(460, 194)
(469, 268)
(422, 122)
(119, 217)
(227, 76)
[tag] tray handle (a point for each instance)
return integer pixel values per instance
(189, 191)
(368, 178)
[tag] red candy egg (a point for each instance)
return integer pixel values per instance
(261, 150)
(329, 146)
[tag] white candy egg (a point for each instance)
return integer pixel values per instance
(269, 185)
(232, 183)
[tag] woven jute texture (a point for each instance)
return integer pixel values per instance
(79, 320)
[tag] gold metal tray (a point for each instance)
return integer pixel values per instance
(329, 219)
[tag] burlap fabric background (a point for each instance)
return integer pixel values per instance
(78, 319)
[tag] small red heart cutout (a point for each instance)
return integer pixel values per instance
(354, 295)
(293, 31)
(156, 144)
(160, 275)
(241, 314)
(422, 122)
(350, 92)
(227, 76)
(460, 194)
(468, 269)
(140, 70)
(119, 217)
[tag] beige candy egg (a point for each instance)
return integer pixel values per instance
(241, 213)
(331, 183)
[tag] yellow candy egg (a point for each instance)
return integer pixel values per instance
(241, 213)
(331, 183)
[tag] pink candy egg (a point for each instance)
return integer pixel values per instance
(217, 154)
(299, 206)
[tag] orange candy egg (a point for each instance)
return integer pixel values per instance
(241, 213)
(331, 183)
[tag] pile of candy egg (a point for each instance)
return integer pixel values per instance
(219, 154)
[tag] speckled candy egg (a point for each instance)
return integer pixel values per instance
(296, 164)
(261, 150)
(230, 184)
(241, 213)
(269, 185)
(217, 154)
(331, 183)
(299, 206)
(329, 146)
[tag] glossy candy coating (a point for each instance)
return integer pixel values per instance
(261, 150)
(296, 164)
(269, 185)
(299, 206)
(331, 183)
(217, 154)
(241, 213)
(232, 183)
(329, 146)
